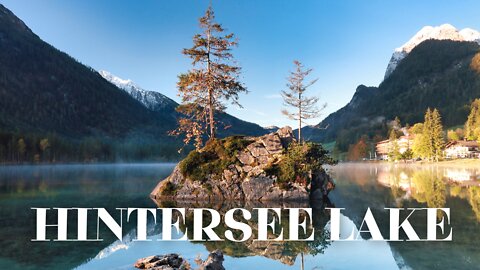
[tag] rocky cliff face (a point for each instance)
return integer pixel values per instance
(247, 180)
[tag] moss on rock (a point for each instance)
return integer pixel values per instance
(213, 159)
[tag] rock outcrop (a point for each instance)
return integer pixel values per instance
(213, 262)
(247, 179)
(174, 261)
(162, 262)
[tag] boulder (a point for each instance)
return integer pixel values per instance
(321, 185)
(162, 262)
(258, 187)
(230, 191)
(257, 149)
(272, 143)
(213, 262)
(245, 157)
(286, 135)
(247, 168)
(231, 174)
(263, 160)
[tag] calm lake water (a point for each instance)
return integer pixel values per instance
(127, 185)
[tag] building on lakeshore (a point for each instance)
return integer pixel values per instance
(384, 147)
(462, 149)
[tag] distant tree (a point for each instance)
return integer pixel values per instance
(358, 150)
(21, 148)
(460, 133)
(431, 142)
(213, 80)
(418, 146)
(472, 126)
(438, 139)
(452, 135)
(475, 64)
(394, 149)
(427, 142)
(416, 129)
(44, 145)
(407, 154)
(294, 96)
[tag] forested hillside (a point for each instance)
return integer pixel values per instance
(438, 74)
(53, 108)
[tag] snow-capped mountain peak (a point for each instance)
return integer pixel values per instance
(152, 100)
(442, 32)
(119, 82)
(470, 34)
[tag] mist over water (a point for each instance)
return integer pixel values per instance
(128, 185)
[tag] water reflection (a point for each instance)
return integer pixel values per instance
(381, 185)
(23, 187)
(430, 184)
(283, 251)
(317, 254)
(358, 186)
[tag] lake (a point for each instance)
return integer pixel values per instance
(358, 186)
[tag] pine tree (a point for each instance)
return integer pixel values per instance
(427, 148)
(438, 140)
(212, 81)
(432, 137)
(306, 107)
(472, 126)
(452, 135)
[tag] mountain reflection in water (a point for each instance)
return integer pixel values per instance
(251, 254)
(359, 186)
(380, 185)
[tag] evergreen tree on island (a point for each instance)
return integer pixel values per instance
(305, 107)
(212, 81)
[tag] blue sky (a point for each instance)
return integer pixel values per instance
(347, 43)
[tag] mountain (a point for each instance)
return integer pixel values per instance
(440, 74)
(53, 108)
(442, 32)
(153, 100)
(271, 129)
(45, 90)
(160, 103)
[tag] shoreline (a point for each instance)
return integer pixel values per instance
(4, 165)
(451, 163)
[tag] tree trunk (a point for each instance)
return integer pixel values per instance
(299, 116)
(302, 265)
(210, 112)
(300, 130)
(211, 118)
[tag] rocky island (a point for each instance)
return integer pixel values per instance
(273, 167)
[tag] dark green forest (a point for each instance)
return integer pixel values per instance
(437, 74)
(47, 95)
